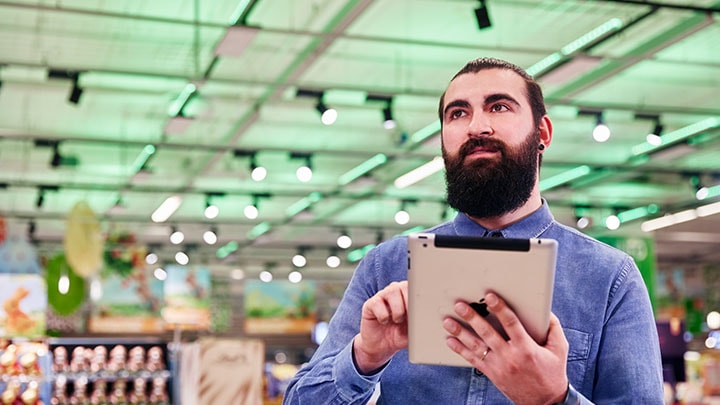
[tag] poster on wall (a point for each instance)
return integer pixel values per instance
(128, 304)
(187, 298)
(279, 307)
(24, 301)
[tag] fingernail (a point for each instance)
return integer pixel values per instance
(491, 299)
(461, 308)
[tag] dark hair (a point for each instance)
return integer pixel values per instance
(534, 92)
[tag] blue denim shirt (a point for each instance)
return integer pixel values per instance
(599, 297)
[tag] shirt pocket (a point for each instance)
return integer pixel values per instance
(579, 344)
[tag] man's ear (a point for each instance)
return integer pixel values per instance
(545, 128)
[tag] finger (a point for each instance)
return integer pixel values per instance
(556, 340)
(482, 327)
(396, 301)
(464, 336)
(476, 358)
(507, 317)
(375, 309)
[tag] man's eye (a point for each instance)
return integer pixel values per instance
(456, 114)
(499, 107)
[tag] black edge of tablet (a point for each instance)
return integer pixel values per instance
(471, 242)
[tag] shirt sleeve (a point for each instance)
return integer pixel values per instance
(331, 376)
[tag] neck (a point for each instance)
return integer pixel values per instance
(533, 204)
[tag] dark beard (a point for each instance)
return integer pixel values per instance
(487, 188)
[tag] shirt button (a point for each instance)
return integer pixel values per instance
(477, 372)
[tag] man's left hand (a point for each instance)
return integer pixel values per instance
(526, 372)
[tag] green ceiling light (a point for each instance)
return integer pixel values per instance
(592, 36)
(565, 177)
(177, 105)
(303, 204)
(258, 230)
(141, 160)
(708, 192)
(637, 213)
(362, 169)
(544, 64)
(426, 132)
(237, 15)
(357, 254)
(677, 136)
(227, 249)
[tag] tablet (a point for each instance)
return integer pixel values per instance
(443, 269)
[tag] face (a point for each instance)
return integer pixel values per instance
(490, 143)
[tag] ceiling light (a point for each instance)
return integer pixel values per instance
(612, 222)
(251, 212)
(167, 208)
(295, 277)
(151, 258)
(344, 241)
(388, 120)
(482, 16)
(328, 116)
(422, 172)
(210, 236)
(677, 136)
(402, 217)
(182, 258)
(333, 261)
(176, 236)
(266, 276)
(299, 259)
(160, 274)
(362, 169)
(211, 210)
(257, 173)
(303, 173)
(583, 222)
(601, 132)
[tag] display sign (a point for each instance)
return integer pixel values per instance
(24, 301)
(187, 298)
(279, 307)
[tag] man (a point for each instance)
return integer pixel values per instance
(602, 344)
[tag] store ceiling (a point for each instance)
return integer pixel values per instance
(133, 60)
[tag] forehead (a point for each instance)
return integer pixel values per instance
(469, 86)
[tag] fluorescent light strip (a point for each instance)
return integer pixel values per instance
(177, 105)
(303, 204)
(680, 217)
(677, 135)
(637, 213)
(420, 173)
(565, 177)
(239, 11)
(226, 250)
(426, 132)
(592, 36)
(166, 209)
(143, 157)
(258, 230)
(362, 169)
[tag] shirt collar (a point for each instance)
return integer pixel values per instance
(531, 226)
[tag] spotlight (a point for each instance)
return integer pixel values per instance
(482, 16)
(210, 236)
(654, 137)
(299, 260)
(601, 132)
(295, 277)
(75, 92)
(344, 241)
(328, 116)
(257, 173)
(251, 210)
(389, 122)
(402, 216)
(303, 173)
(333, 261)
(176, 236)
(612, 222)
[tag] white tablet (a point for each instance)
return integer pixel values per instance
(443, 269)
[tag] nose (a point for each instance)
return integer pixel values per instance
(479, 125)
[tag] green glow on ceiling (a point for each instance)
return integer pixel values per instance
(677, 135)
(362, 169)
(303, 204)
(357, 254)
(177, 105)
(344, 97)
(424, 133)
(637, 213)
(592, 36)
(143, 157)
(227, 249)
(258, 230)
(412, 230)
(544, 64)
(239, 11)
(564, 177)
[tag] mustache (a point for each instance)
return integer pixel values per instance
(481, 142)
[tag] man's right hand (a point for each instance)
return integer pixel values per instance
(383, 328)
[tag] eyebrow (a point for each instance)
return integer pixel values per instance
(492, 98)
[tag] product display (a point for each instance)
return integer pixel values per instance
(23, 373)
(109, 372)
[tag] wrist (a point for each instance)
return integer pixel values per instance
(571, 397)
(366, 363)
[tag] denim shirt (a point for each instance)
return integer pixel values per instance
(599, 297)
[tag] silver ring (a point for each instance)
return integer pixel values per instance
(485, 353)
